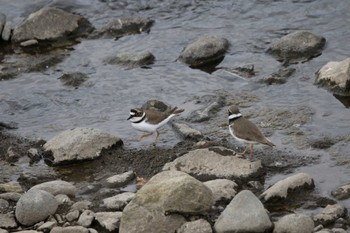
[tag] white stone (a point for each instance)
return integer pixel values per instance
(108, 220)
(118, 201)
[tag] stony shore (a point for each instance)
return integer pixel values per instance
(85, 180)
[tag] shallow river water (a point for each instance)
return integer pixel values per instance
(42, 107)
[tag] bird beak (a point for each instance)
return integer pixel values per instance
(129, 118)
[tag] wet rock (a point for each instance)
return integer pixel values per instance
(245, 213)
(205, 164)
(187, 132)
(155, 105)
(6, 31)
(245, 71)
(34, 155)
(3, 231)
(2, 22)
(74, 79)
(330, 214)
(72, 215)
(132, 60)
(119, 201)
(14, 187)
(86, 218)
(142, 219)
(212, 105)
(297, 47)
(70, 229)
(63, 199)
(109, 220)
(127, 26)
(51, 24)
(205, 50)
(29, 231)
(294, 223)
(7, 221)
(342, 193)
(12, 155)
(81, 205)
(79, 144)
(198, 226)
(280, 77)
(4, 205)
(120, 179)
(283, 189)
(47, 226)
(222, 189)
(335, 76)
(10, 196)
(34, 206)
(57, 187)
(28, 43)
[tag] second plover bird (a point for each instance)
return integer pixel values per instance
(245, 131)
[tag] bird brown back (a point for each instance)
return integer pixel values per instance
(245, 129)
(155, 117)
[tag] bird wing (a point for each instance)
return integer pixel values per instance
(155, 117)
(245, 129)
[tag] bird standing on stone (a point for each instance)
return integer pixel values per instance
(245, 131)
(150, 120)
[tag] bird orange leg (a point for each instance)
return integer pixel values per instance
(144, 135)
(251, 151)
(243, 153)
(156, 140)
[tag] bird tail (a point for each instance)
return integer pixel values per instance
(267, 142)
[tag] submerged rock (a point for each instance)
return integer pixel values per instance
(126, 26)
(205, 164)
(51, 24)
(283, 189)
(187, 132)
(294, 223)
(245, 213)
(335, 76)
(205, 50)
(297, 47)
(132, 60)
(78, 144)
(35, 206)
(279, 77)
(330, 214)
(74, 79)
(342, 192)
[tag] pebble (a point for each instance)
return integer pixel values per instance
(28, 43)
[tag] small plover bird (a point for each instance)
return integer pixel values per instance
(150, 120)
(245, 131)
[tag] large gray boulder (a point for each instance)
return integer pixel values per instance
(205, 50)
(156, 205)
(294, 223)
(245, 213)
(335, 76)
(297, 47)
(79, 144)
(56, 187)
(205, 164)
(51, 24)
(35, 206)
(283, 189)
